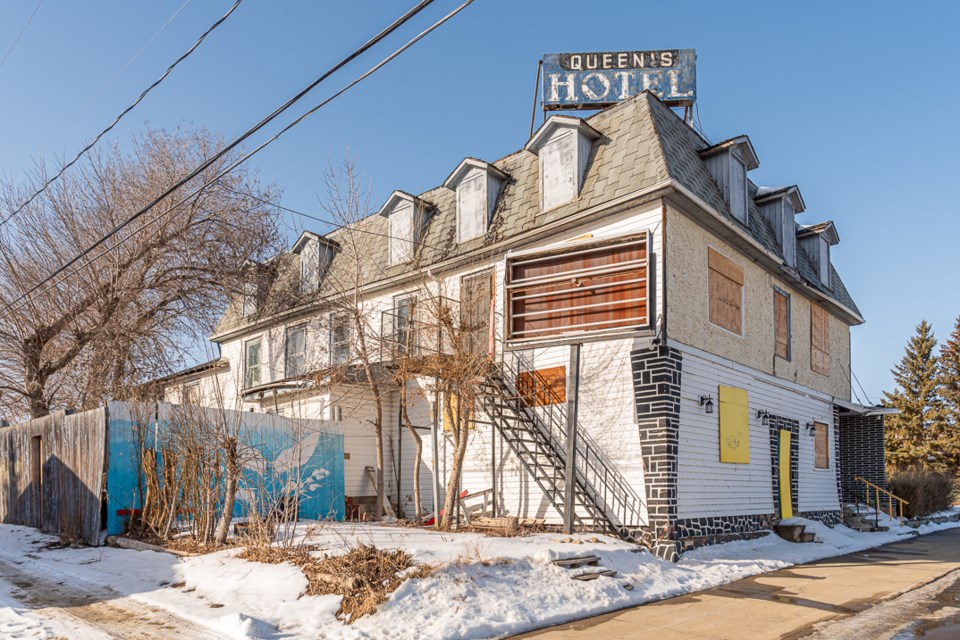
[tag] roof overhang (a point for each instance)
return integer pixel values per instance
(742, 145)
(827, 230)
(468, 165)
(864, 410)
(402, 196)
(791, 194)
(559, 122)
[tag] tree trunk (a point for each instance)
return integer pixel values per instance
(418, 456)
(232, 454)
(460, 429)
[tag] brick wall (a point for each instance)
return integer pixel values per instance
(861, 454)
(656, 382)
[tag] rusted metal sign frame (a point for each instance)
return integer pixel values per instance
(596, 80)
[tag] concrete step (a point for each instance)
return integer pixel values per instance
(790, 532)
(593, 575)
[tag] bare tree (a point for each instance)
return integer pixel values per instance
(125, 313)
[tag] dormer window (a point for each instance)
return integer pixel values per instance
(316, 254)
(563, 144)
(729, 163)
(816, 240)
(478, 185)
(779, 206)
(407, 216)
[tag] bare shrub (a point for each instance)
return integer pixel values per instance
(365, 576)
(926, 491)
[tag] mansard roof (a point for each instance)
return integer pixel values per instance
(642, 149)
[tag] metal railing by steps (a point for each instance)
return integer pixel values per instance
(604, 500)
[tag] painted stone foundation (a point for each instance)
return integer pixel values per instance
(699, 532)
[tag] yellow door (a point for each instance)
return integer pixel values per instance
(786, 498)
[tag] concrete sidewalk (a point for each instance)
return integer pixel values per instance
(781, 604)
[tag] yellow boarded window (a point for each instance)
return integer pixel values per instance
(450, 413)
(734, 425)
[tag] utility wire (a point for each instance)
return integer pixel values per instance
(116, 75)
(123, 113)
(247, 156)
(20, 35)
(854, 374)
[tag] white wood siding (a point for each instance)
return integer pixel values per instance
(707, 487)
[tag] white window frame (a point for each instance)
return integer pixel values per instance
(302, 328)
(258, 341)
(348, 340)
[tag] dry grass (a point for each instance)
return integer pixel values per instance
(927, 491)
(365, 576)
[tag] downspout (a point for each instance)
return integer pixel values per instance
(663, 274)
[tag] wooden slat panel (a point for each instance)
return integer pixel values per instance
(621, 302)
(819, 339)
(781, 318)
(726, 300)
(530, 386)
(719, 262)
(821, 445)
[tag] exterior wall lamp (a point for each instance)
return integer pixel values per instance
(764, 416)
(707, 403)
(810, 427)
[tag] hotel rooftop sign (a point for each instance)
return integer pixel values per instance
(597, 80)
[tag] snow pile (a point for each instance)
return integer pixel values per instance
(481, 587)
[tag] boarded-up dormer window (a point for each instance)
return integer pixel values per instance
(558, 170)
(738, 188)
(401, 233)
(471, 207)
(824, 262)
(726, 292)
(819, 339)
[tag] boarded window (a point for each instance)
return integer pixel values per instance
(454, 415)
(819, 339)
(738, 188)
(726, 292)
(821, 446)
(476, 297)
(734, 425)
(472, 207)
(781, 323)
(543, 387)
(584, 289)
(402, 232)
(558, 171)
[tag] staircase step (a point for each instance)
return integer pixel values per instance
(577, 561)
(593, 575)
(808, 536)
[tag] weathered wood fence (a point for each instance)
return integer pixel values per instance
(52, 472)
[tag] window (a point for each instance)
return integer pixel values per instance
(191, 393)
(726, 292)
(781, 323)
(403, 330)
(734, 425)
(340, 335)
(581, 289)
(789, 236)
(821, 445)
(251, 375)
(454, 416)
(558, 171)
(248, 302)
(823, 266)
(296, 352)
(543, 387)
(310, 267)
(819, 339)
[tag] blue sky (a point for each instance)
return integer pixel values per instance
(852, 101)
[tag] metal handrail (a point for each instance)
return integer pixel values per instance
(611, 492)
(890, 498)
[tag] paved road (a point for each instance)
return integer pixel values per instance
(786, 604)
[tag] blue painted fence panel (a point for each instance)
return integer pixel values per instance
(282, 457)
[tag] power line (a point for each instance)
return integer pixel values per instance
(247, 156)
(116, 75)
(854, 374)
(123, 113)
(20, 35)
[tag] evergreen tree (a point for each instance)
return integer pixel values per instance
(949, 437)
(911, 437)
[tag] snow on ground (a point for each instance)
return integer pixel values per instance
(483, 587)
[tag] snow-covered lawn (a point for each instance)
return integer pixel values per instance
(483, 587)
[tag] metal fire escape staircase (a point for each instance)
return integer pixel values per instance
(604, 500)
